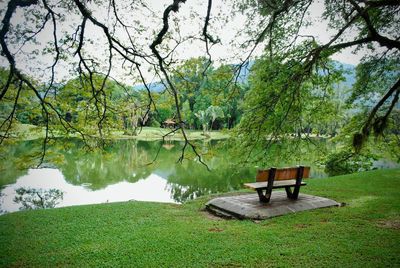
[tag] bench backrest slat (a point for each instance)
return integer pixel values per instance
(282, 174)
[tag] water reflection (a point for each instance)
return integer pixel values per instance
(37, 198)
(123, 171)
(150, 189)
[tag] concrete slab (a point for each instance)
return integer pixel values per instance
(248, 206)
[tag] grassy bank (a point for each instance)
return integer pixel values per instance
(31, 132)
(155, 133)
(363, 233)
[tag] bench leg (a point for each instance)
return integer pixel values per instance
(295, 194)
(292, 195)
(264, 198)
(289, 193)
(296, 191)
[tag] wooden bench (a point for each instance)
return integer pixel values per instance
(274, 178)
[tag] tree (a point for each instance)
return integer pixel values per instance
(214, 112)
(370, 25)
(204, 118)
(93, 45)
(188, 115)
(276, 107)
(75, 38)
(24, 110)
(189, 79)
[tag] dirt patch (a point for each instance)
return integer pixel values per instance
(324, 221)
(212, 216)
(301, 226)
(215, 230)
(390, 224)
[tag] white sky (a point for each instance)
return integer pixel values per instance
(188, 23)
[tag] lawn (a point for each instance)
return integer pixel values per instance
(363, 233)
(31, 132)
(156, 133)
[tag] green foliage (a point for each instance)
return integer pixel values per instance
(188, 116)
(345, 162)
(204, 118)
(374, 38)
(284, 101)
(84, 104)
(27, 108)
(373, 77)
(80, 105)
(200, 89)
(291, 89)
(99, 105)
(164, 113)
(214, 113)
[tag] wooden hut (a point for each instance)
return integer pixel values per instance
(169, 123)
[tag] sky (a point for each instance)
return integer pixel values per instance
(189, 20)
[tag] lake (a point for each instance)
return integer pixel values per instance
(135, 170)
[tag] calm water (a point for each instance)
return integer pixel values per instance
(126, 171)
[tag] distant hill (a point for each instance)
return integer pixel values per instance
(154, 87)
(244, 72)
(243, 78)
(349, 75)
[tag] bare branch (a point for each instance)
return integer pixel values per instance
(174, 7)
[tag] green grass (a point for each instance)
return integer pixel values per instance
(26, 131)
(155, 133)
(363, 233)
(30, 132)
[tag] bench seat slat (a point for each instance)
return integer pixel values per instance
(277, 184)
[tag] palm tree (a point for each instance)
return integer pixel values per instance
(204, 118)
(214, 112)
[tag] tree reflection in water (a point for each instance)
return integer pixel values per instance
(131, 161)
(30, 198)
